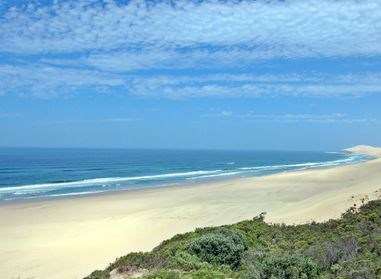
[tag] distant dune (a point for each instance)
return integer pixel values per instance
(365, 149)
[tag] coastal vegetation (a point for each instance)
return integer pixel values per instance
(349, 247)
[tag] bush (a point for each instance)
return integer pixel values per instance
(207, 274)
(99, 274)
(164, 274)
(349, 248)
(187, 262)
(333, 252)
(360, 269)
(223, 247)
(140, 260)
(268, 265)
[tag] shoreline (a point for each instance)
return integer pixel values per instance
(70, 237)
(182, 184)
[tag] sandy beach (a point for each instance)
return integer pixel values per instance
(69, 238)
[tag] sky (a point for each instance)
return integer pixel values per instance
(290, 75)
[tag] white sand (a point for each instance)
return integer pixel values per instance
(69, 238)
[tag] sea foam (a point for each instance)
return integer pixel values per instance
(229, 168)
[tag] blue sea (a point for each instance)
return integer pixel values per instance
(27, 173)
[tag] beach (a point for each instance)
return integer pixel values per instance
(69, 238)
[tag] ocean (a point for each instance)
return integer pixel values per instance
(27, 173)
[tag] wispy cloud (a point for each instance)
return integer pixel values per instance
(67, 46)
(258, 85)
(291, 117)
(46, 81)
(122, 120)
(271, 28)
(6, 115)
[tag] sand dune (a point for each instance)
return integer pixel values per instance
(69, 238)
(365, 149)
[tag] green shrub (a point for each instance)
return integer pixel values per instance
(187, 262)
(208, 274)
(348, 248)
(360, 269)
(291, 267)
(99, 274)
(138, 260)
(261, 265)
(333, 252)
(204, 273)
(164, 274)
(222, 247)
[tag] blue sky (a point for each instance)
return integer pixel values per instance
(197, 74)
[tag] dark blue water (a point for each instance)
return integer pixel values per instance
(37, 172)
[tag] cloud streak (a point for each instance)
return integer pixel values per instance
(104, 46)
(267, 27)
(292, 117)
(47, 81)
